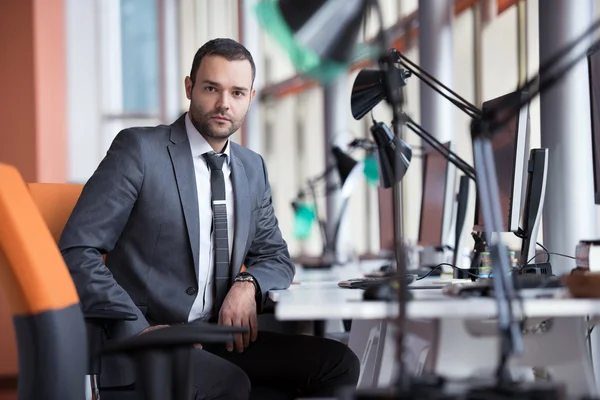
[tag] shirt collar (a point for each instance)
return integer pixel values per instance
(199, 145)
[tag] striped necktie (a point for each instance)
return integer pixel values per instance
(219, 228)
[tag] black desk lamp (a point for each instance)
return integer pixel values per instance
(393, 153)
(368, 91)
(344, 165)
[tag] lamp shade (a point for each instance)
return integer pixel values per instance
(369, 89)
(345, 164)
(319, 36)
(394, 155)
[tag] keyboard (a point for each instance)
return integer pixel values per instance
(363, 283)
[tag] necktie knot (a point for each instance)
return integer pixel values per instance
(214, 160)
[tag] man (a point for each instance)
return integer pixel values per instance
(177, 210)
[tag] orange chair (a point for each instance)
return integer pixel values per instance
(55, 202)
(41, 298)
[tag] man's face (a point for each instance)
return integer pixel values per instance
(220, 96)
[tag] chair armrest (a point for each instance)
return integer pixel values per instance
(108, 315)
(175, 336)
(162, 356)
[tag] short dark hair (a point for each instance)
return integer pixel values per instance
(226, 48)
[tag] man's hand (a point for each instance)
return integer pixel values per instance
(239, 309)
(156, 327)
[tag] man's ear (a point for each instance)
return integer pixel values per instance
(252, 93)
(188, 87)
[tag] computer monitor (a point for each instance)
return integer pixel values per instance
(537, 175)
(510, 145)
(437, 200)
(593, 58)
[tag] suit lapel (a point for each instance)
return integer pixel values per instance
(183, 165)
(241, 197)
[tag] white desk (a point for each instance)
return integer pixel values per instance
(310, 301)
(460, 335)
(314, 295)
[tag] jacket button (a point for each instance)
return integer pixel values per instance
(191, 291)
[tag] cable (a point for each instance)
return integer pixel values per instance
(543, 247)
(521, 235)
(546, 250)
(550, 252)
(441, 265)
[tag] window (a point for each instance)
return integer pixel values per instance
(139, 56)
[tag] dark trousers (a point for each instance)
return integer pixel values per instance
(276, 366)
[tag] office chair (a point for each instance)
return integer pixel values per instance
(55, 202)
(42, 299)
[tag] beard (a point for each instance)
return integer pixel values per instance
(212, 128)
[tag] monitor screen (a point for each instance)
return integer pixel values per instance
(594, 77)
(437, 190)
(510, 146)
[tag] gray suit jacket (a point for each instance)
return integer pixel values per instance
(140, 208)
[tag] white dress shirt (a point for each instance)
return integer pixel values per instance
(202, 307)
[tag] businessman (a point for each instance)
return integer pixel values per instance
(177, 210)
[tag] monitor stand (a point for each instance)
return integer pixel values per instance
(532, 212)
(462, 202)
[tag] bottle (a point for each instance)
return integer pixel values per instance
(485, 265)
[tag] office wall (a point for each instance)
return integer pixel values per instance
(33, 79)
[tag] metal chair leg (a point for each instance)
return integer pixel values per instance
(94, 387)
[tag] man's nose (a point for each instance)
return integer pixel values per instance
(223, 102)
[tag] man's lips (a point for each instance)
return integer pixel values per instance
(220, 119)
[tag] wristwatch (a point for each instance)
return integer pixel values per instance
(246, 277)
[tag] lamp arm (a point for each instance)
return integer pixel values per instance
(542, 81)
(429, 80)
(440, 148)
